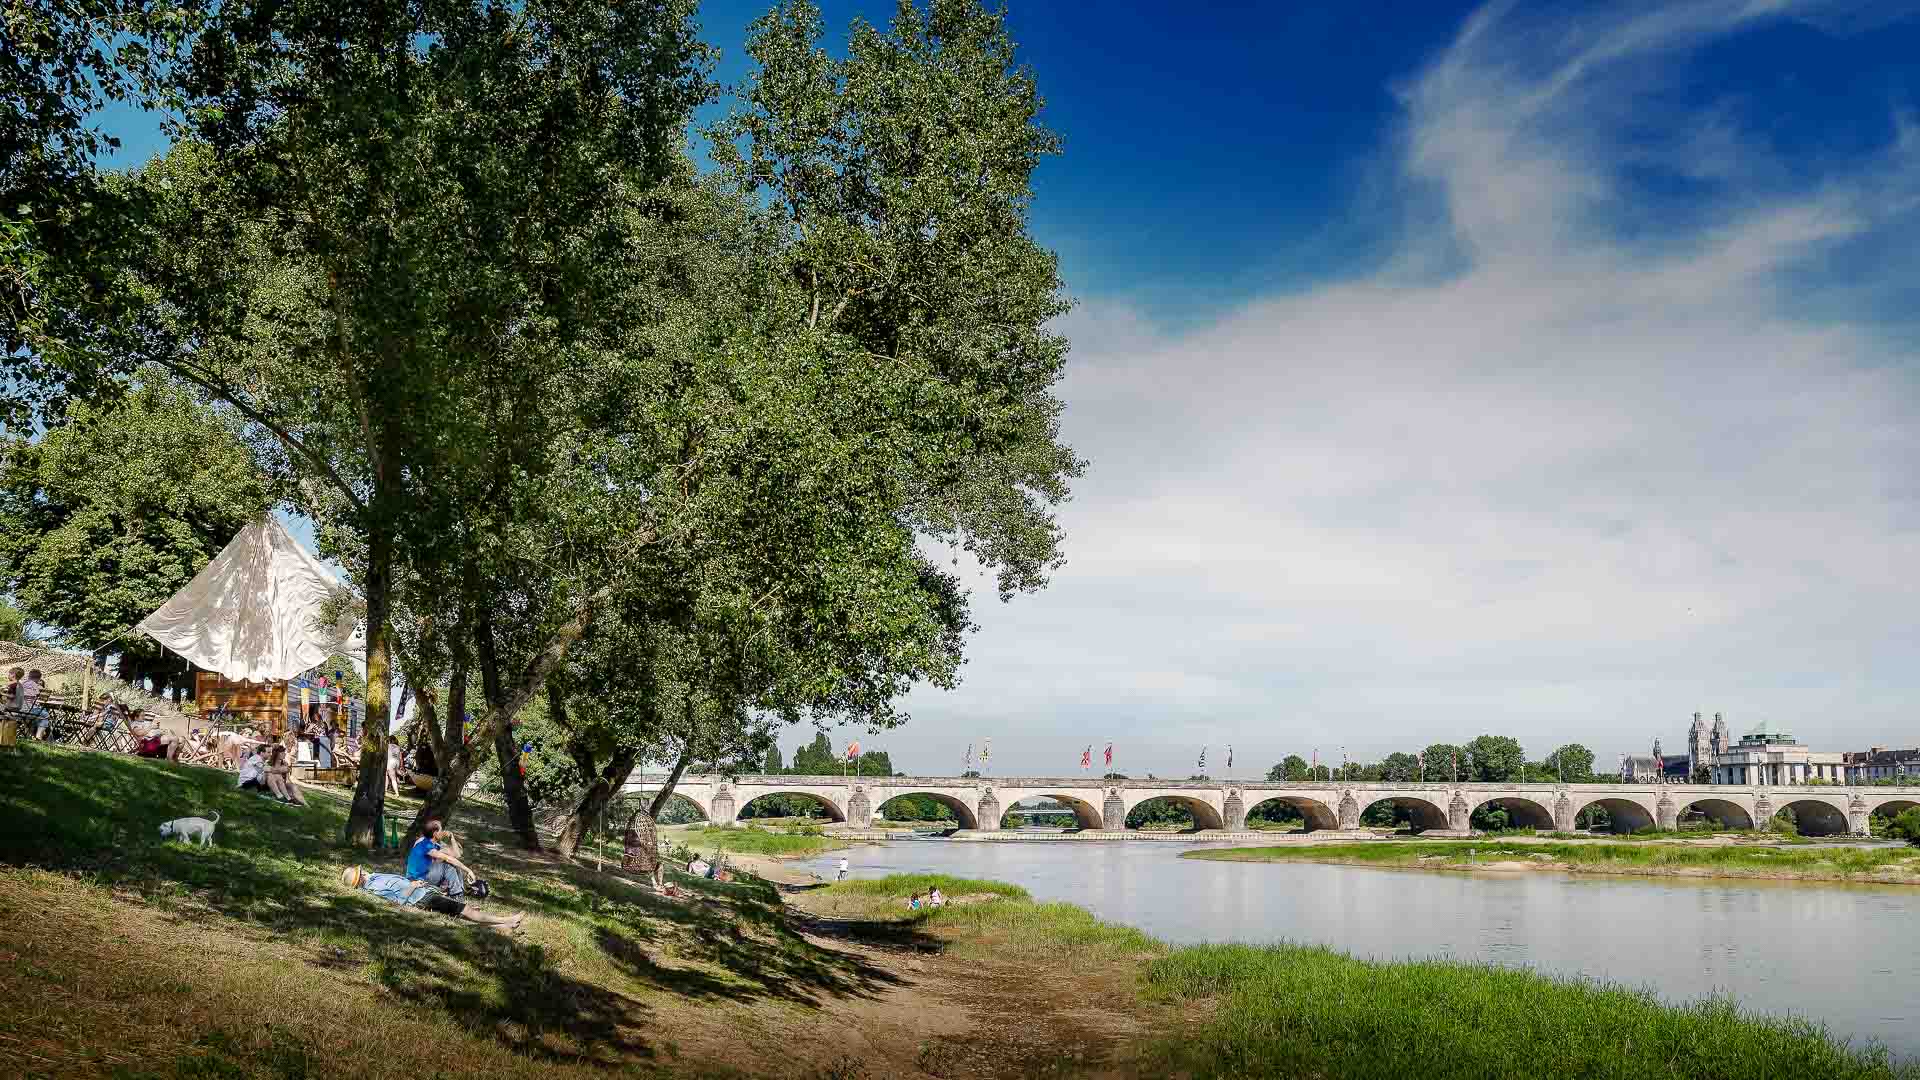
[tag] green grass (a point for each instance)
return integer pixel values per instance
(753, 840)
(902, 886)
(1745, 860)
(1286, 1010)
(134, 948)
(1295, 1011)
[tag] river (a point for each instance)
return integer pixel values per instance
(1846, 956)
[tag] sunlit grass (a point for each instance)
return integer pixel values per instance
(1732, 858)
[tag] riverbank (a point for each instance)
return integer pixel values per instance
(1286, 1010)
(127, 955)
(1884, 864)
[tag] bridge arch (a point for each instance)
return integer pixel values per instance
(1816, 817)
(1085, 814)
(1522, 812)
(1318, 814)
(1205, 816)
(834, 813)
(1892, 806)
(1422, 813)
(1726, 814)
(961, 811)
(1626, 815)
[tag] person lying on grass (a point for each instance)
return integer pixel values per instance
(398, 890)
(434, 859)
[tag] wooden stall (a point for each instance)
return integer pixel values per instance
(258, 705)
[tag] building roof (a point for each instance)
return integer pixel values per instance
(1882, 757)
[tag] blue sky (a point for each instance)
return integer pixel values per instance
(1543, 369)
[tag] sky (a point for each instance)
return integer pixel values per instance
(1544, 370)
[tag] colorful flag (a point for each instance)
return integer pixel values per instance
(1229, 755)
(1109, 755)
(1086, 757)
(986, 750)
(853, 749)
(968, 765)
(1203, 757)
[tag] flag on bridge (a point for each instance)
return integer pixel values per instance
(1203, 757)
(1229, 755)
(1109, 755)
(853, 749)
(968, 766)
(986, 751)
(1086, 757)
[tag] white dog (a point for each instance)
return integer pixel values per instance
(191, 829)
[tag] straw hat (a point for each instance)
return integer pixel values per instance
(353, 877)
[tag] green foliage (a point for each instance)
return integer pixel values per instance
(1168, 814)
(1575, 760)
(108, 514)
(1496, 758)
(1445, 761)
(13, 623)
(1906, 826)
(753, 840)
(916, 808)
(772, 764)
(902, 886)
(1294, 768)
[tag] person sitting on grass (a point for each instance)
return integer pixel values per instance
(154, 742)
(253, 771)
(435, 860)
(280, 778)
(398, 890)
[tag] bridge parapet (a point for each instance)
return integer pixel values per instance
(979, 801)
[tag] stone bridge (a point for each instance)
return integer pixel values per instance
(979, 802)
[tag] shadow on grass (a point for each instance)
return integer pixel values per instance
(97, 816)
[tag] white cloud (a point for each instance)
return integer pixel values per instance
(1578, 487)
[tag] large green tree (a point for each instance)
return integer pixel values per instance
(110, 512)
(1573, 762)
(1496, 758)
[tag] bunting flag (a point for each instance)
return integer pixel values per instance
(1203, 757)
(853, 749)
(1229, 755)
(986, 750)
(1109, 755)
(967, 766)
(1086, 757)
(1421, 757)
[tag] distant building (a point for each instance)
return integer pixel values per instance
(1775, 758)
(1878, 764)
(1654, 768)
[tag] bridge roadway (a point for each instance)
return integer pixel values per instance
(1437, 807)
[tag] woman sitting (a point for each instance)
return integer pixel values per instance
(280, 778)
(152, 741)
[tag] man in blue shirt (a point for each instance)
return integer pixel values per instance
(435, 859)
(398, 890)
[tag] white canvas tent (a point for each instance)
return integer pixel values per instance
(251, 613)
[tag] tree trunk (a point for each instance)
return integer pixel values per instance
(514, 787)
(605, 786)
(666, 789)
(370, 791)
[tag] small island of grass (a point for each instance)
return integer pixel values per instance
(1886, 863)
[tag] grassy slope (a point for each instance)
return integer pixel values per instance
(1886, 863)
(1256, 1011)
(127, 955)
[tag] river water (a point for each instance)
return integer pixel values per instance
(1847, 956)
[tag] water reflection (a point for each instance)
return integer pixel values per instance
(1842, 955)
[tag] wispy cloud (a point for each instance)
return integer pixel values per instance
(1595, 475)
